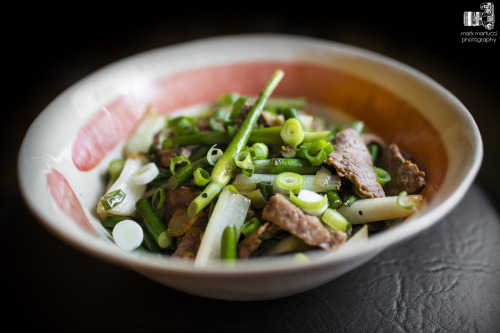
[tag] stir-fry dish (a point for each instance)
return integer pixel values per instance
(257, 177)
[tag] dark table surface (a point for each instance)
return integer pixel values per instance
(444, 279)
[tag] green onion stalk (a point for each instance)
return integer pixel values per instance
(225, 168)
(266, 135)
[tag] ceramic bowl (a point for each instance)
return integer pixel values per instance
(67, 148)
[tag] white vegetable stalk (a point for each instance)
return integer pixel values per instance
(309, 184)
(127, 185)
(146, 174)
(128, 235)
(142, 137)
(378, 209)
(231, 208)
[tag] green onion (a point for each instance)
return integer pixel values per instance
(300, 257)
(316, 152)
(288, 181)
(115, 168)
(214, 154)
(128, 235)
(298, 165)
(183, 125)
(292, 133)
(243, 160)
(285, 102)
(160, 197)
(111, 199)
(334, 199)
(154, 225)
(404, 202)
(186, 172)
(373, 149)
(250, 226)
(382, 176)
(310, 202)
(229, 242)
(335, 220)
(259, 151)
(201, 177)
(174, 160)
(237, 107)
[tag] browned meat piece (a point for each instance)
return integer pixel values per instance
(243, 114)
(165, 155)
(268, 120)
(190, 242)
(181, 197)
(280, 211)
(405, 175)
(352, 160)
(253, 241)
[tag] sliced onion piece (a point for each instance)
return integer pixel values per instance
(146, 174)
(128, 235)
(323, 176)
(310, 202)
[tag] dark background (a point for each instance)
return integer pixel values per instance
(446, 279)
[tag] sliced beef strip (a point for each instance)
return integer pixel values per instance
(352, 160)
(405, 175)
(280, 211)
(252, 242)
(190, 242)
(180, 197)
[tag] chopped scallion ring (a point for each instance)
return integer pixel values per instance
(112, 199)
(292, 133)
(404, 201)
(259, 151)
(310, 202)
(161, 200)
(250, 226)
(174, 160)
(335, 220)
(146, 174)
(243, 160)
(201, 177)
(128, 235)
(382, 176)
(317, 152)
(288, 181)
(214, 154)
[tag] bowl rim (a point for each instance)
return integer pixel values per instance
(376, 243)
